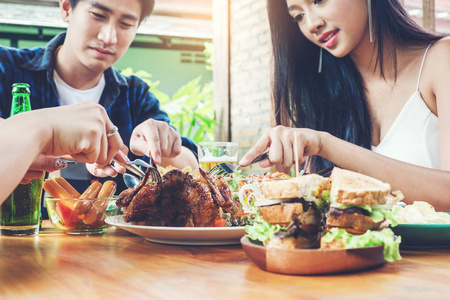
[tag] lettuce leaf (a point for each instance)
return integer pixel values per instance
(370, 238)
(261, 230)
(323, 203)
(379, 215)
(233, 181)
(326, 196)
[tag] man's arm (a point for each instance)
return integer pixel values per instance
(184, 159)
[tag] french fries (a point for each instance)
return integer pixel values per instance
(163, 170)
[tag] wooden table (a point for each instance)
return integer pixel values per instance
(120, 265)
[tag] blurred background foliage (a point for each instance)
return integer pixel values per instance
(191, 107)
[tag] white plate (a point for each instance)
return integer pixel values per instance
(199, 236)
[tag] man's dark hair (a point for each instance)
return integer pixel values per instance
(147, 8)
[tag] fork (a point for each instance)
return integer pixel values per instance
(227, 168)
(130, 167)
(154, 173)
(139, 162)
(155, 176)
(324, 172)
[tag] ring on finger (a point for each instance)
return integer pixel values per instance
(112, 132)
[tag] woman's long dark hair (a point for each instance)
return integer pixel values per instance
(333, 100)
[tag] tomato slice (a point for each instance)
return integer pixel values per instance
(68, 217)
(243, 214)
(220, 223)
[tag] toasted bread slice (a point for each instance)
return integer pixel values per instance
(296, 187)
(281, 214)
(351, 188)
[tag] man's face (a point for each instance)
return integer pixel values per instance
(100, 31)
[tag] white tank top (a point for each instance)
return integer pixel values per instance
(414, 135)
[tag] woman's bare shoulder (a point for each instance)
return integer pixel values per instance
(435, 75)
(438, 60)
(438, 69)
(441, 49)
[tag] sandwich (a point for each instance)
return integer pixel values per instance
(361, 210)
(290, 213)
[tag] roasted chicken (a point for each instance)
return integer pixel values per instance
(180, 200)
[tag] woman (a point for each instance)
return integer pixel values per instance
(351, 76)
(83, 131)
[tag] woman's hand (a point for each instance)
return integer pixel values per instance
(41, 163)
(110, 170)
(155, 139)
(281, 141)
(81, 131)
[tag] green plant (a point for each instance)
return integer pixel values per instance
(191, 108)
(209, 50)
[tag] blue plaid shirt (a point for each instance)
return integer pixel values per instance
(127, 100)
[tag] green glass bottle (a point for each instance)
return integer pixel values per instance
(20, 213)
(20, 98)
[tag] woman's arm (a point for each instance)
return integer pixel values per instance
(437, 80)
(79, 130)
(22, 139)
(417, 183)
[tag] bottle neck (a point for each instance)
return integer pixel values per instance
(20, 103)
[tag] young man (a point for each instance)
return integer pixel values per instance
(77, 66)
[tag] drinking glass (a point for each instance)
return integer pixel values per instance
(20, 214)
(210, 154)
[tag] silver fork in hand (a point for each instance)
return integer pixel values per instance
(155, 176)
(132, 166)
(154, 173)
(228, 168)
